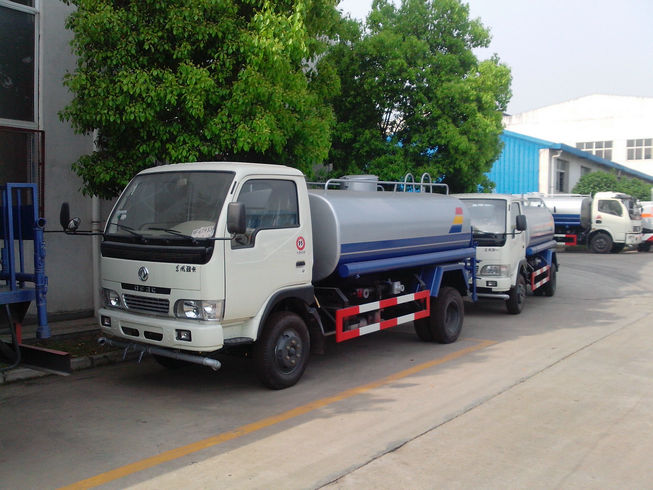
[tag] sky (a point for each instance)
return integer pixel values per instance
(559, 50)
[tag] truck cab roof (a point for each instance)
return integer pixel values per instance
(239, 168)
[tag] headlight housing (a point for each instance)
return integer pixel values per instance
(199, 309)
(495, 270)
(111, 298)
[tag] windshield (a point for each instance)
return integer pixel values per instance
(487, 216)
(634, 210)
(170, 205)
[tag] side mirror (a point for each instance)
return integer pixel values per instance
(236, 218)
(68, 225)
(521, 223)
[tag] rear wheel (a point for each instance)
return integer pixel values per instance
(549, 289)
(517, 296)
(644, 247)
(601, 243)
(617, 247)
(446, 320)
(282, 352)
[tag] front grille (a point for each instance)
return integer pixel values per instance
(145, 303)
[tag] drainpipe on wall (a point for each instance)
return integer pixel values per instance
(552, 172)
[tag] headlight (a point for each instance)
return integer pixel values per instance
(494, 270)
(111, 298)
(197, 309)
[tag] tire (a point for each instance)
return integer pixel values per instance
(616, 248)
(644, 247)
(281, 353)
(169, 362)
(517, 293)
(423, 329)
(601, 243)
(446, 320)
(549, 289)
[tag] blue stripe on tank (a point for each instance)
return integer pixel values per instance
(405, 246)
(456, 228)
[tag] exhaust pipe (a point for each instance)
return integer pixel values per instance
(150, 349)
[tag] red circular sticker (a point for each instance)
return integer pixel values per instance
(301, 243)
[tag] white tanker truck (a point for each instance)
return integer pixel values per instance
(515, 248)
(197, 258)
(606, 222)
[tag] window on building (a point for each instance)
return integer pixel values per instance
(584, 170)
(562, 175)
(601, 149)
(18, 63)
(639, 149)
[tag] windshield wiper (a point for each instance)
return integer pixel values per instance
(176, 233)
(128, 229)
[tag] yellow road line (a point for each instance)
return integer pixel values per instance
(194, 447)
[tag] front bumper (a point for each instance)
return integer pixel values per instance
(633, 238)
(161, 331)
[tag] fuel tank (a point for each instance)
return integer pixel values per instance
(570, 210)
(352, 226)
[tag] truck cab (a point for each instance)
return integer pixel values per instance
(616, 222)
(167, 252)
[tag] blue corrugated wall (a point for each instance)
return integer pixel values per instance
(518, 168)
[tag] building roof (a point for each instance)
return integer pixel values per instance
(579, 153)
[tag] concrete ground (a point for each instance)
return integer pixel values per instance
(586, 422)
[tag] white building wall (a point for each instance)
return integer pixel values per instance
(592, 118)
(69, 258)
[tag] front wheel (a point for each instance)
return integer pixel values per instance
(446, 320)
(517, 296)
(281, 353)
(601, 243)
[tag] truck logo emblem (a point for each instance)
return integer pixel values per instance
(143, 274)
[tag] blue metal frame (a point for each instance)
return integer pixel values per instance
(13, 218)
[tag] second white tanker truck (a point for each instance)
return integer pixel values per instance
(515, 248)
(197, 258)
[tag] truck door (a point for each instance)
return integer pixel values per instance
(611, 217)
(274, 253)
(516, 240)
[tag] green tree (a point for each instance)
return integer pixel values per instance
(596, 182)
(609, 181)
(166, 81)
(416, 98)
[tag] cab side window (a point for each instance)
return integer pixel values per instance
(610, 207)
(270, 204)
(515, 210)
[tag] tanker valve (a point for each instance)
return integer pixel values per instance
(362, 293)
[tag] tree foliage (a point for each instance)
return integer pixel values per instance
(415, 97)
(165, 81)
(609, 181)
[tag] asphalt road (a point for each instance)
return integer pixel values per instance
(378, 411)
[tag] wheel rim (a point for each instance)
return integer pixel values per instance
(288, 351)
(601, 244)
(451, 318)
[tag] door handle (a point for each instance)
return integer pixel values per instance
(301, 263)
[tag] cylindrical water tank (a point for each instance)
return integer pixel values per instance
(363, 226)
(541, 227)
(570, 209)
